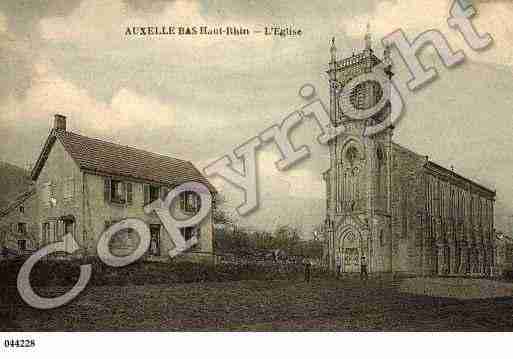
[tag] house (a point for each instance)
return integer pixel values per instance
(17, 230)
(82, 185)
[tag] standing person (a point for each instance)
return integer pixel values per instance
(339, 266)
(307, 269)
(363, 269)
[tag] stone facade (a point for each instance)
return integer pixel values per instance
(504, 251)
(394, 207)
(68, 198)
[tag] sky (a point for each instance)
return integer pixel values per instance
(198, 98)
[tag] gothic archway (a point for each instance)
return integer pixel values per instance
(349, 248)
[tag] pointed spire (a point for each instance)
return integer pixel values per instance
(368, 38)
(333, 50)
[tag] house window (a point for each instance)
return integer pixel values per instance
(46, 233)
(22, 228)
(151, 193)
(46, 193)
(189, 232)
(129, 192)
(22, 209)
(22, 245)
(69, 188)
(117, 191)
(154, 240)
(154, 193)
(189, 202)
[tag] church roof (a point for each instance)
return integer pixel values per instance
(447, 173)
(107, 158)
(436, 168)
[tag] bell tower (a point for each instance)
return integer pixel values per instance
(358, 181)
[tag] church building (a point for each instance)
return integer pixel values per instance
(399, 210)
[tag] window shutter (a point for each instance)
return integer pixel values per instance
(106, 190)
(197, 202)
(146, 193)
(123, 192)
(129, 193)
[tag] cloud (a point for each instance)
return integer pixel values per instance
(417, 16)
(51, 94)
(98, 25)
(16, 58)
(3, 23)
(25, 15)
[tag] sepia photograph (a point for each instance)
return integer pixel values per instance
(232, 167)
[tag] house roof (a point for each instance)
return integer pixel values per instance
(107, 158)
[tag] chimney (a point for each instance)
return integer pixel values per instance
(59, 122)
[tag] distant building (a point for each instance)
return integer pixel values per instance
(397, 208)
(17, 234)
(83, 185)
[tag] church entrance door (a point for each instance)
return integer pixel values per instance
(351, 260)
(350, 242)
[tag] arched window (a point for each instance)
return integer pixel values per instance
(366, 95)
(352, 155)
(380, 182)
(380, 154)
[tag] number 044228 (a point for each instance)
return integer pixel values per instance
(19, 343)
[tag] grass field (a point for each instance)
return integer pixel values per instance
(325, 304)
